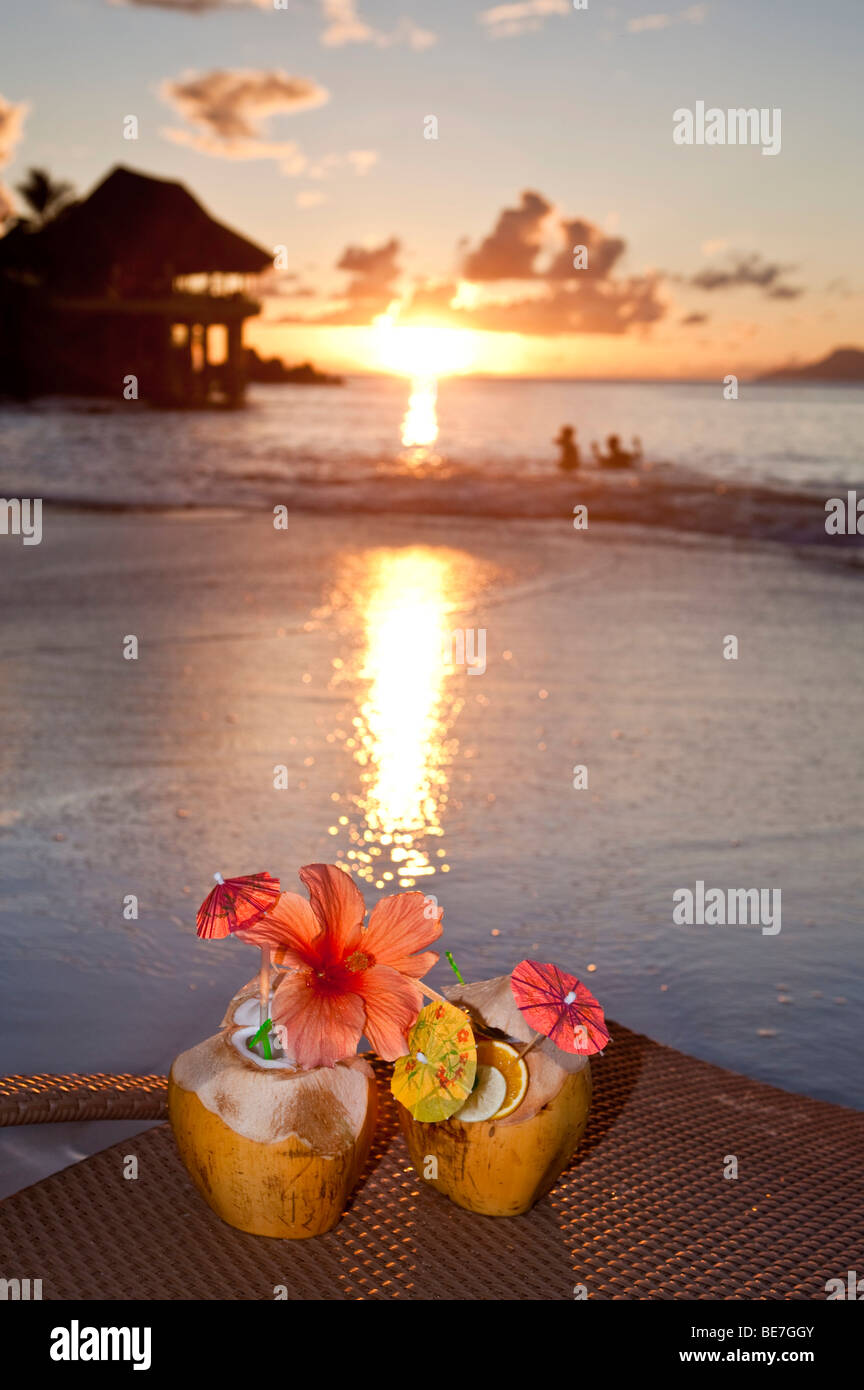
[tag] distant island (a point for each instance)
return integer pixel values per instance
(843, 364)
(272, 370)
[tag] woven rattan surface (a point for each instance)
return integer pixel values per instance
(644, 1210)
(37, 1100)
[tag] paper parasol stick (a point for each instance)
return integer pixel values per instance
(264, 986)
(430, 992)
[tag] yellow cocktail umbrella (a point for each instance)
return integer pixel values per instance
(436, 1077)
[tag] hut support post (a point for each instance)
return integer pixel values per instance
(234, 363)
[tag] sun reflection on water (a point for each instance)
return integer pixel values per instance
(402, 738)
(420, 422)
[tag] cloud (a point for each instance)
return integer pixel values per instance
(690, 320)
(231, 108)
(694, 14)
(360, 161)
(12, 116)
(602, 251)
(556, 297)
(841, 286)
(510, 249)
(589, 306)
(374, 271)
(196, 6)
(310, 198)
(345, 25)
(523, 17)
(751, 270)
(502, 288)
(234, 105)
(230, 111)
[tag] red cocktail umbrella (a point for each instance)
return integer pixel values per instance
(234, 905)
(559, 1006)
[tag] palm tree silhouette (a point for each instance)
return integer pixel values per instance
(45, 196)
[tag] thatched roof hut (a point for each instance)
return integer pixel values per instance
(133, 233)
(116, 269)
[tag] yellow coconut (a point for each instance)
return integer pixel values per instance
(502, 1167)
(273, 1150)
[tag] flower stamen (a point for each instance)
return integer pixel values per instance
(359, 960)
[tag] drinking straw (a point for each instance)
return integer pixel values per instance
(264, 985)
(262, 1036)
(454, 967)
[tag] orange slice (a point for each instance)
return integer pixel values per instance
(512, 1067)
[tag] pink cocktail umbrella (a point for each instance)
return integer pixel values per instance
(234, 905)
(558, 1006)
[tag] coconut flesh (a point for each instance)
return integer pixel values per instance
(491, 1002)
(270, 1101)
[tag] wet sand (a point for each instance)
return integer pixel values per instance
(259, 649)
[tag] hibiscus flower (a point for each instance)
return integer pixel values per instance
(346, 980)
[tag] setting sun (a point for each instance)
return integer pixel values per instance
(422, 350)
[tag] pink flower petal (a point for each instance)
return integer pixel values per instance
(320, 1029)
(392, 1005)
(290, 929)
(338, 905)
(399, 926)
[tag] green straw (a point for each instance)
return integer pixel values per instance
(449, 955)
(261, 1036)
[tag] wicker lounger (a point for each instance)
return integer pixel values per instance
(643, 1211)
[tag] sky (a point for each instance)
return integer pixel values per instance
(307, 126)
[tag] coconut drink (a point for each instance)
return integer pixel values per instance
(506, 1138)
(274, 1115)
(273, 1149)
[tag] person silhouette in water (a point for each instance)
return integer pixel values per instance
(615, 457)
(568, 461)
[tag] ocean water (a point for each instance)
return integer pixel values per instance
(319, 648)
(334, 446)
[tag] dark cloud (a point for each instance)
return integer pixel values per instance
(510, 249)
(374, 275)
(588, 307)
(749, 270)
(197, 6)
(563, 299)
(690, 320)
(602, 251)
(552, 301)
(344, 23)
(230, 109)
(374, 271)
(613, 306)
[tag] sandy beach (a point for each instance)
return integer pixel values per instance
(263, 649)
